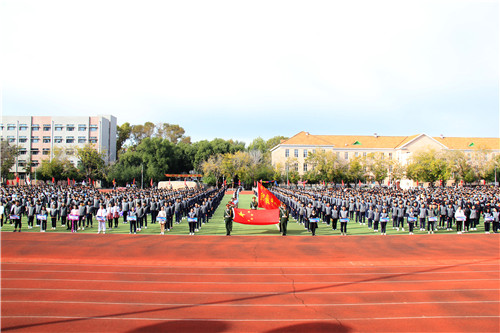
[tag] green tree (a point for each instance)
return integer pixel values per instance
(427, 166)
(377, 168)
(91, 162)
(123, 134)
(8, 156)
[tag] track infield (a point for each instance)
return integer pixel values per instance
(153, 283)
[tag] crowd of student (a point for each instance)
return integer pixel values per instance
(426, 209)
(75, 208)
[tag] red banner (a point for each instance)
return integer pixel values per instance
(256, 217)
(267, 200)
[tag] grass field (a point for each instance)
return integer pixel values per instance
(216, 226)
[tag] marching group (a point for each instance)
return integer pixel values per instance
(428, 209)
(76, 207)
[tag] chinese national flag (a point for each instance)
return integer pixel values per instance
(267, 200)
(256, 217)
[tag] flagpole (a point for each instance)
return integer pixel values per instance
(142, 176)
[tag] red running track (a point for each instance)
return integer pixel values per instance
(146, 283)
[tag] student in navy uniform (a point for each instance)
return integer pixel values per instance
(376, 219)
(31, 215)
(431, 214)
(63, 214)
(53, 215)
(412, 214)
(139, 211)
(313, 225)
(487, 215)
(450, 214)
(328, 213)
(43, 222)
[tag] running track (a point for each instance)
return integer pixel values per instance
(145, 283)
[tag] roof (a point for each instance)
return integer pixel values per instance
(385, 142)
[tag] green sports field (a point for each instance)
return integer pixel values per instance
(216, 226)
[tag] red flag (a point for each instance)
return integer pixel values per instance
(254, 183)
(267, 200)
(288, 182)
(114, 182)
(224, 183)
(151, 182)
(256, 217)
(69, 182)
(239, 182)
(184, 181)
(74, 182)
(53, 180)
(342, 182)
(359, 183)
(133, 181)
(417, 182)
(93, 182)
(17, 179)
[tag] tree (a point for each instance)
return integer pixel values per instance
(458, 166)
(376, 166)
(8, 157)
(172, 132)
(274, 141)
(258, 144)
(398, 171)
(427, 166)
(123, 133)
(91, 162)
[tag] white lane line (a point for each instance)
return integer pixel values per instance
(250, 292)
(247, 320)
(227, 303)
(245, 274)
(31, 264)
(321, 283)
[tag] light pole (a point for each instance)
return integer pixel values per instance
(142, 176)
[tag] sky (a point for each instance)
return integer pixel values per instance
(246, 69)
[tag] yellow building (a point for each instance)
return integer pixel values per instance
(391, 148)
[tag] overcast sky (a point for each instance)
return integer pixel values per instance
(243, 69)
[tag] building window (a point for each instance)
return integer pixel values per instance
(356, 154)
(70, 127)
(35, 139)
(390, 168)
(46, 139)
(23, 127)
(296, 167)
(22, 151)
(93, 128)
(338, 154)
(58, 127)
(22, 139)
(11, 127)
(390, 156)
(1, 127)
(93, 139)
(35, 128)
(382, 156)
(364, 154)
(70, 139)
(314, 151)
(305, 153)
(35, 151)
(82, 128)
(296, 153)
(305, 167)
(11, 139)
(58, 139)
(287, 152)
(46, 128)
(35, 163)
(21, 163)
(46, 151)
(346, 155)
(82, 139)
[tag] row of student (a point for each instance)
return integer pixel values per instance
(416, 213)
(78, 217)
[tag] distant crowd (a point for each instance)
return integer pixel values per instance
(428, 209)
(76, 208)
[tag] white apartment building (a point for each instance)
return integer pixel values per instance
(42, 137)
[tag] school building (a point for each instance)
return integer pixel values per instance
(294, 151)
(40, 137)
